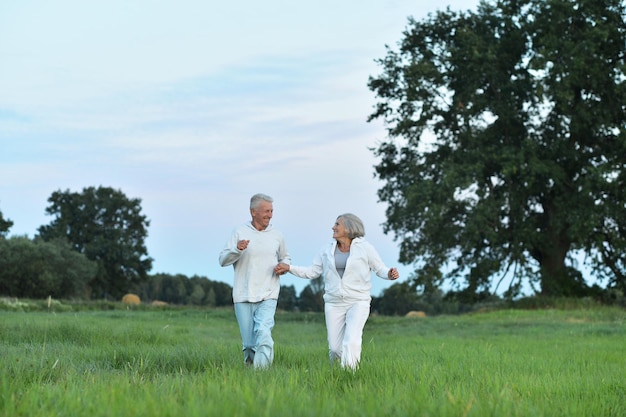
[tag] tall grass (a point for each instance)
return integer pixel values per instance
(189, 363)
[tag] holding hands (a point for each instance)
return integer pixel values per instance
(281, 269)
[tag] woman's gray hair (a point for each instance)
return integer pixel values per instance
(256, 199)
(354, 225)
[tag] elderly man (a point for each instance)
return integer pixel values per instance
(254, 249)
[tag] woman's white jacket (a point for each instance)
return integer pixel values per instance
(356, 283)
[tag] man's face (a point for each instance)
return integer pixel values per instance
(262, 215)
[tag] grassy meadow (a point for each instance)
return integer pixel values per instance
(187, 362)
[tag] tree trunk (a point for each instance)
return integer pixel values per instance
(556, 278)
(554, 274)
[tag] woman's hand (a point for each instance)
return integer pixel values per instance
(393, 274)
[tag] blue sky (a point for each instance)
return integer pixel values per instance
(193, 106)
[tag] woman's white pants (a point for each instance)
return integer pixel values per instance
(344, 323)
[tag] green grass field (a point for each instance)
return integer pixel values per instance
(185, 362)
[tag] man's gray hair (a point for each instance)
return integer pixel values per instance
(354, 225)
(257, 198)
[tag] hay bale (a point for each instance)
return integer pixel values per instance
(131, 299)
(158, 303)
(419, 314)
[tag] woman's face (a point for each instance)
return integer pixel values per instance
(339, 230)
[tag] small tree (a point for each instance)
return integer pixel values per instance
(312, 296)
(209, 300)
(196, 297)
(287, 299)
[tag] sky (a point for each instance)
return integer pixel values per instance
(193, 106)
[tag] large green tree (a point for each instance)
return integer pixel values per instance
(506, 147)
(107, 227)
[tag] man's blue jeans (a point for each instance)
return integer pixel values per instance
(256, 321)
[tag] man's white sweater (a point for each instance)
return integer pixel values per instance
(255, 279)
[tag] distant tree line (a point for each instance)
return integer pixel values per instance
(94, 249)
(200, 291)
(182, 290)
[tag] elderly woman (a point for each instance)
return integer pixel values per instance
(346, 264)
